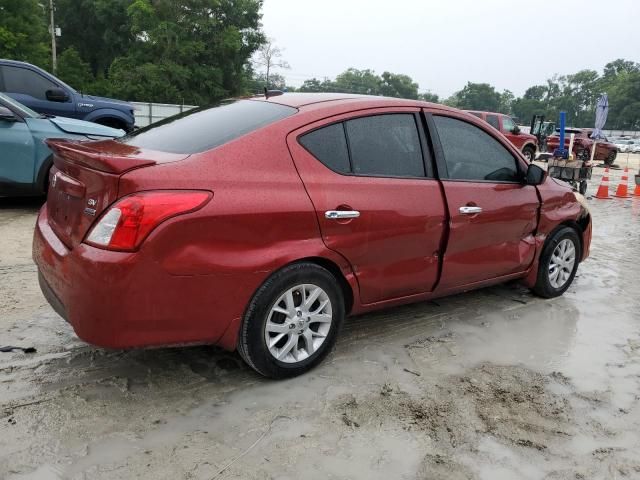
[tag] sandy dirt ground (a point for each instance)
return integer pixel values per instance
(493, 384)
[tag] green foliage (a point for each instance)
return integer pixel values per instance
(429, 97)
(99, 30)
(477, 96)
(23, 31)
(577, 95)
(398, 85)
(74, 71)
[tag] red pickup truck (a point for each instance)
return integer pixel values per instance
(526, 143)
(582, 145)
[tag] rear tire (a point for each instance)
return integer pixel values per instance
(558, 263)
(285, 331)
(529, 153)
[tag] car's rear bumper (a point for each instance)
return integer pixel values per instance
(121, 300)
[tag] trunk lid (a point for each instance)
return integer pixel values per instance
(84, 182)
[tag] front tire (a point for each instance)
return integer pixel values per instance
(529, 153)
(558, 263)
(292, 321)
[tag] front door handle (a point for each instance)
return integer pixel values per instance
(341, 214)
(470, 210)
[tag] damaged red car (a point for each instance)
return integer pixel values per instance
(260, 224)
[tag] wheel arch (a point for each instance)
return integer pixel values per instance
(229, 339)
(42, 179)
(336, 271)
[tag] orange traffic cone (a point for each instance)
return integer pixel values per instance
(636, 191)
(603, 189)
(623, 187)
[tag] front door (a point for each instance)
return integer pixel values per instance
(376, 200)
(493, 215)
(30, 88)
(16, 157)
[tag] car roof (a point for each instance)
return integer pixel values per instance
(301, 100)
(15, 62)
(487, 113)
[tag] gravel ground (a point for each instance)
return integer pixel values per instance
(494, 384)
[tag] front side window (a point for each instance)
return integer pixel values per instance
(508, 125)
(385, 145)
(493, 121)
(26, 82)
(472, 154)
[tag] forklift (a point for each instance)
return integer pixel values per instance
(542, 130)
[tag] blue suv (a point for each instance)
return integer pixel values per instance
(44, 93)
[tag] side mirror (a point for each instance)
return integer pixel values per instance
(7, 115)
(535, 175)
(57, 95)
(515, 130)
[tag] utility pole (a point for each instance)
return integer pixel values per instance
(52, 29)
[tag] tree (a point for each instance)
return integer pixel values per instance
(269, 56)
(315, 85)
(191, 51)
(352, 80)
(23, 32)
(477, 96)
(398, 85)
(99, 30)
(429, 97)
(74, 71)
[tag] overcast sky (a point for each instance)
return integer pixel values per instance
(442, 44)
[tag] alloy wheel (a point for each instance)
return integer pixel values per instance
(298, 323)
(561, 263)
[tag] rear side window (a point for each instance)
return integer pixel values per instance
(476, 114)
(380, 145)
(472, 154)
(385, 145)
(329, 145)
(493, 121)
(26, 82)
(205, 128)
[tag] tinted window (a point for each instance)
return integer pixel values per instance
(205, 128)
(493, 121)
(386, 145)
(472, 154)
(27, 82)
(508, 124)
(477, 114)
(329, 145)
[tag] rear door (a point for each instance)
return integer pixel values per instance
(377, 203)
(493, 215)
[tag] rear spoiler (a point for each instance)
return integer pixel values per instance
(117, 158)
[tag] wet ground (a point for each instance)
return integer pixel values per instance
(494, 384)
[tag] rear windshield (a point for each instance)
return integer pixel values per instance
(205, 128)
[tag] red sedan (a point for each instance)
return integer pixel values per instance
(259, 224)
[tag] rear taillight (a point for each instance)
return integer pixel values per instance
(128, 221)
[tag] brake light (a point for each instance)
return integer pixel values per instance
(129, 221)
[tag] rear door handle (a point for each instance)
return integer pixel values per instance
(341, 214)
(470, 210)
